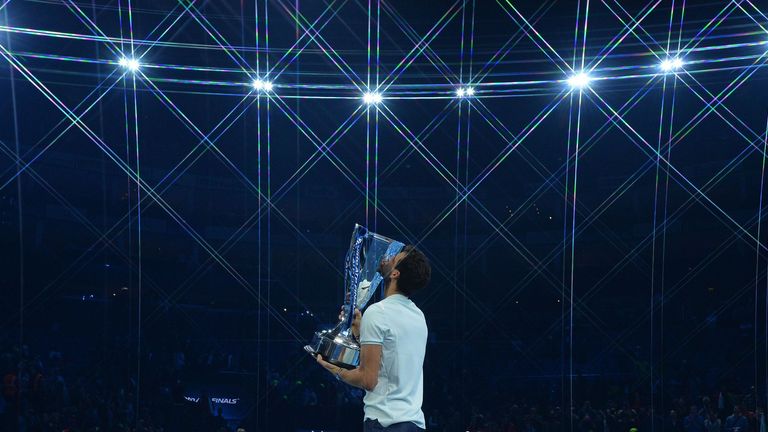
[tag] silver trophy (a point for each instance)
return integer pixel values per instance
(361, 280)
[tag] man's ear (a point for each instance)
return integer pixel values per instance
(394, 274)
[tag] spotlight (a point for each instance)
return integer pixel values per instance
(579, 80)
(462, 92)
(372, 98)
(671, 64)
(130, 63)
(262, 85)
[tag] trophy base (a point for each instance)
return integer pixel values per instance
(339, 350)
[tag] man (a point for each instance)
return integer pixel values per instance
(712, 424)
(736, 422)
(672, 423)
(693, 422)
(393, 339)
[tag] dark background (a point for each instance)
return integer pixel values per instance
(610, 248)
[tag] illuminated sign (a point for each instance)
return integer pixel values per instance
(216, 400)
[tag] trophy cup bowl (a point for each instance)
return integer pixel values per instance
(340, 349)
(361, 279)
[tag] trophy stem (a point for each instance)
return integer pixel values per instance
(338, 329)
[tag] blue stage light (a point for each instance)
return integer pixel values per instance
(372, 98)
(671, 64)
(130, 63)
(579, 80)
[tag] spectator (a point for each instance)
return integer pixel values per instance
(736, 422)
(673, 423)
(712, 423)
(693, 422)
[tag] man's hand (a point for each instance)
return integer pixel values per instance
(355, 321)
(365, 376)
(329, 367)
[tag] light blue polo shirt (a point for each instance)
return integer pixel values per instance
(399, 327)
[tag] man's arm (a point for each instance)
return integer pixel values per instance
(365, 376)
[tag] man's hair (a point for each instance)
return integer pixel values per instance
(415, 271)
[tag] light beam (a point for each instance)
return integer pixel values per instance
(579, 80)
(372, 98)
(131, 64)
(671, 64)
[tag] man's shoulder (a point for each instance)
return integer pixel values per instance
(383, 308)
(374, 310)
(374, 307)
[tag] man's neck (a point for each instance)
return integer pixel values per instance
(391, 289)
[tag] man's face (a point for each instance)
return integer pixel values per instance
(387, 265)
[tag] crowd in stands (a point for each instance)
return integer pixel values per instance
(44, 391)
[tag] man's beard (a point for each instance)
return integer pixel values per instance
(386, 275)
(383, 270)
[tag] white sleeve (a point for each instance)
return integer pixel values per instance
(372, 327)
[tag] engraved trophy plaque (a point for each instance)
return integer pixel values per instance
(361, 280)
